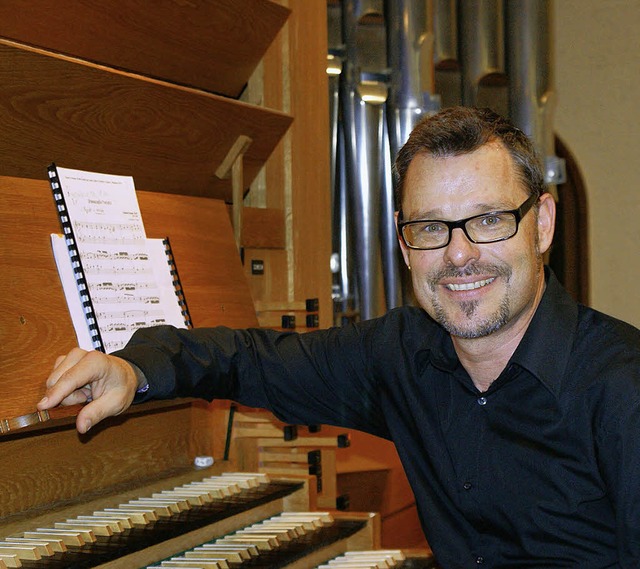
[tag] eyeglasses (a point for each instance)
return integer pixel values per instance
(484, 228)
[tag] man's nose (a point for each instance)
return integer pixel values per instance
(460, 249)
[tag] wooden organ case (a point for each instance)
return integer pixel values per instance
(152, 91)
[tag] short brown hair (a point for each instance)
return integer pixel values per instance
(461, 130)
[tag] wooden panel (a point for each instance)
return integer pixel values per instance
(272, 283)
(169, 138)
(34, 324)
(211, 44)
(207, 259)
(403, 530)
(297, 173)
(311, 191)
(310, 179)
(275, 93)
(263, 228)
(44, 468)
(277, 281)
(367, 452)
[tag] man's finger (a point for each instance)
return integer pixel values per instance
(112, 402)
(78, 397)
(76, 371)
(89, 416)
(65, 363)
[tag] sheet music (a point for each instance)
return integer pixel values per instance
(122, 268)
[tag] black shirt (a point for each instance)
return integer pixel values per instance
(541, 470)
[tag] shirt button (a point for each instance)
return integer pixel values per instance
(479, 560)
(467, 485)
(482, 400)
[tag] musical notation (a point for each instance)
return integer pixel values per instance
(126, 299)
(121, 325)
(124, 287)
(111, 233)
(121, 268)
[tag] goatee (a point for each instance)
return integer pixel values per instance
(479, 328)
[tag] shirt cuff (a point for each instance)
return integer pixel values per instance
(143, 384)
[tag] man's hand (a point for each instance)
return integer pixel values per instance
(106, 382)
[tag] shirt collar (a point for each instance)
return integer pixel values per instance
(546, 346)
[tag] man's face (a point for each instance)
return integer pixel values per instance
(475, 289)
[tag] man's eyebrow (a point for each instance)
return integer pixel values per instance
(437, 214)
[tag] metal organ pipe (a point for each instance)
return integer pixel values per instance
(532, 97)
(481, 45)
(363, 98)
(442, 16)
(343, 291)
(411, 86)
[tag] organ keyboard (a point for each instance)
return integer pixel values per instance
(232, 519)
(246, 519)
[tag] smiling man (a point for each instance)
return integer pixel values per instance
(515, 411)
(481, 277)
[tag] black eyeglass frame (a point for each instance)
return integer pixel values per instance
(518, 213)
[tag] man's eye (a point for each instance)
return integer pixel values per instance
(434, 228)
(491, 220)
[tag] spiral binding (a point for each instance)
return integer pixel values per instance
(177, 284)
(76, 263)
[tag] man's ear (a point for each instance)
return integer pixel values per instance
(546, 221)
(403, 247)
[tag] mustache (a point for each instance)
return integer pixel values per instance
(475, 269)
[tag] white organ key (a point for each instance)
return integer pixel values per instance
(158, 507)
(139, 515)
(263, 543)
(74, 538)
(324, 517)
(254, 479)
(25, 552)
(225, 488)
(372, 563)
(295, 529)
(243, 551)
(44, 547)
(193, 498)
(195, 564)
(175, 504)
(9, 561)
(280, 535)
(114, 525)
(96, 529)
(395, 554)
(71, 539)
(124, 521)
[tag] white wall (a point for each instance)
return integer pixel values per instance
(597, 52)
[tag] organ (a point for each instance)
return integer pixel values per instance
(128, 494)
(153, 94)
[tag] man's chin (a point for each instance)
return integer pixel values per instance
(461, 326)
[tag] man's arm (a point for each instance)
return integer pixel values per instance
(318, 377)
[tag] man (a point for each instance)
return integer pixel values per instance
(515, 411)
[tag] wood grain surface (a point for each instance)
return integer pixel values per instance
(200, 43)
(79, 115)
